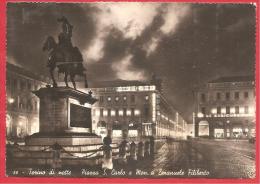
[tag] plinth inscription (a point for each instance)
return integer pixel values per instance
(80, 116)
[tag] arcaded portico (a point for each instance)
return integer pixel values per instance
(233, 127)
(225, 108)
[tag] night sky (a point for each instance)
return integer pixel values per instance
(184, 44)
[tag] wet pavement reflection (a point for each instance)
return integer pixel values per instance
(197, 158)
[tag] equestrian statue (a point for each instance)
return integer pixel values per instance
(63, 55)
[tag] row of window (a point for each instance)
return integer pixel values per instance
(118, 98)
(117, 112)
(22, 104)
(17, 84)
(229, 110)
(219, 96)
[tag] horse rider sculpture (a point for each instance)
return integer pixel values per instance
(64, 56)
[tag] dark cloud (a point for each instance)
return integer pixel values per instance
(29, 24)
(211, 41)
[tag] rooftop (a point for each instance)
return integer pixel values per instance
(118, 83)
(248, 78)
(22, 71)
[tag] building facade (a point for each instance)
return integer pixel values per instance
(134, 109)
(225, 108)
(22, 116)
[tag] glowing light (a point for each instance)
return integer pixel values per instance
(241, 110)
(137, 112)
(97, 112)
(223, 110)
(251, 110)
(232, 110)
(214, 111)
(136, 88)
(117, 133)
(10, 100)
(113, 112)
(105, 112)
(128, 112)
(20, 123)
(120, 112)
(200, 115)
(154, 107)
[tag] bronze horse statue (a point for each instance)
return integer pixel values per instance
(67, 59)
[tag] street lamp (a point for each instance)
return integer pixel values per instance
(10, 100)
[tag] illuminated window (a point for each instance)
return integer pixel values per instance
(232, 110)
(136, 112)
(128, 112)
(105, 113)
(97, 112)
(141, 88)
(241, 110)
(200, 115)
(113, 112)
(214, 111)
(120, 112)
(223, 110)
(251, 110)
(146, 97)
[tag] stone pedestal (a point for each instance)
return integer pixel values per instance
(65, 118)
